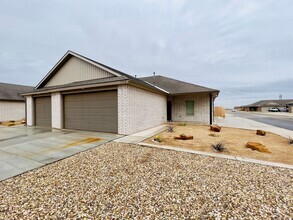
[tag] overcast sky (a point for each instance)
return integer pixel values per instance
(242, 47)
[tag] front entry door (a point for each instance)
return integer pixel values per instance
(169, 111)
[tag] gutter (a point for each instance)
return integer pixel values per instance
(75, 88)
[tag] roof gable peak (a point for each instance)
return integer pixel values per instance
(65, 58)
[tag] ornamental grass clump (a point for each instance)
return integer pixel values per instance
(219, 147)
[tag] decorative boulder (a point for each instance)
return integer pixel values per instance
(215, 128)
(258, 147)
(183, 137)
(260, 132)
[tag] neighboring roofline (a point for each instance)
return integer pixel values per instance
(261, 104)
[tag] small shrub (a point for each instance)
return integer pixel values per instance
(220, 147)
(290, 140)
(158, 138)
(182, 124)
(170, 129)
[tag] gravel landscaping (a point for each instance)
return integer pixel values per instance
(129, 181)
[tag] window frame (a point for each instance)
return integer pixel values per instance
(188, 104)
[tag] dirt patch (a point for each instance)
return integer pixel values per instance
(12, 123)
(234, 139)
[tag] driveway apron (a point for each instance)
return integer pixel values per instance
(26, 148)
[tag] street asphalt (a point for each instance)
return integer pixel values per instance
(274, 119)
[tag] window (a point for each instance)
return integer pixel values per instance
(189, 107)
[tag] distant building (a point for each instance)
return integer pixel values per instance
(12, 104)
(265, 105)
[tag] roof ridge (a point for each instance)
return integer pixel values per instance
(15, 84)
(204, 87)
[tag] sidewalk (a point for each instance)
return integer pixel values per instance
(238, 122)
(142, 135)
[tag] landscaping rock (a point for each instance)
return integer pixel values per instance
(215, 128)
(260, 132)
(183, 137)
(257, 146)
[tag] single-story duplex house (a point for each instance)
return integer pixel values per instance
(12, 104)
(265, 105)
(82, 94)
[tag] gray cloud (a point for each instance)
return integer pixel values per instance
(235, 46)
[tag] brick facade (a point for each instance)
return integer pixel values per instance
(139, 109)
(11, 110)
(57, 110)
(201, 108)
(30, 111)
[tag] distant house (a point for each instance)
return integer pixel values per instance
(290, 106)
(12, 104)
(265, 105)
(82, 94)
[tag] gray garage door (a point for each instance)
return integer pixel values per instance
(95, 111)
(43, 116)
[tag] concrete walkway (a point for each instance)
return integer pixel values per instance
(238, 122)
(142, 135)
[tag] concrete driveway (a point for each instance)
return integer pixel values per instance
(26, 148)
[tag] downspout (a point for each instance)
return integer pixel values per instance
(211, 109)
(25, 112)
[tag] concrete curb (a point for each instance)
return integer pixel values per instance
(242, 159)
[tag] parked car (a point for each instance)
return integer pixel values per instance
(274, 109)
(284, 110)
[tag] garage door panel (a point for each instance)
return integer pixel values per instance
(43, 114)
(91, 111)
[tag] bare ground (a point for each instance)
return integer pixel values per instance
(234, 140)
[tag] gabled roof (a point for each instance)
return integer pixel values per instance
(117, 75)
(176, 87)
(159, 84)
(11, 92)
(270, 103)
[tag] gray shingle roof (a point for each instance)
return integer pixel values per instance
(11, 92)
(82, 83)
(270, 103)
(161, 84)
(173, 86)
